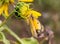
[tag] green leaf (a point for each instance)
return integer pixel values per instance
(3, 38)
(6, 1)
(4, 16)
(1, 28)
(1, 2)
(30, 41)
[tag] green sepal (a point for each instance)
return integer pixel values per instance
(3, 38)
(1, 2)
(6, 1)
(4, 15)
(30, 41)
(18, 9)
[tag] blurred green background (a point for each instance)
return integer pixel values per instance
(50, 10)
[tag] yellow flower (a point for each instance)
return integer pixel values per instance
(1, 9)
(32, 27)
(25, 12)
(37, 24)
(24, 9)
(26, 0)
(4, 7)
(35, 14)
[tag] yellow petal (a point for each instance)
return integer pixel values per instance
(6, 10)
(37, 24)
(11, 1)
(35, 14)
(23, 10)
(26, 0)
(1, 9)
(33, 30)
(28, 13)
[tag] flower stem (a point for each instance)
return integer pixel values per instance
(6, 19)
(9, 30)
(13, 34)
